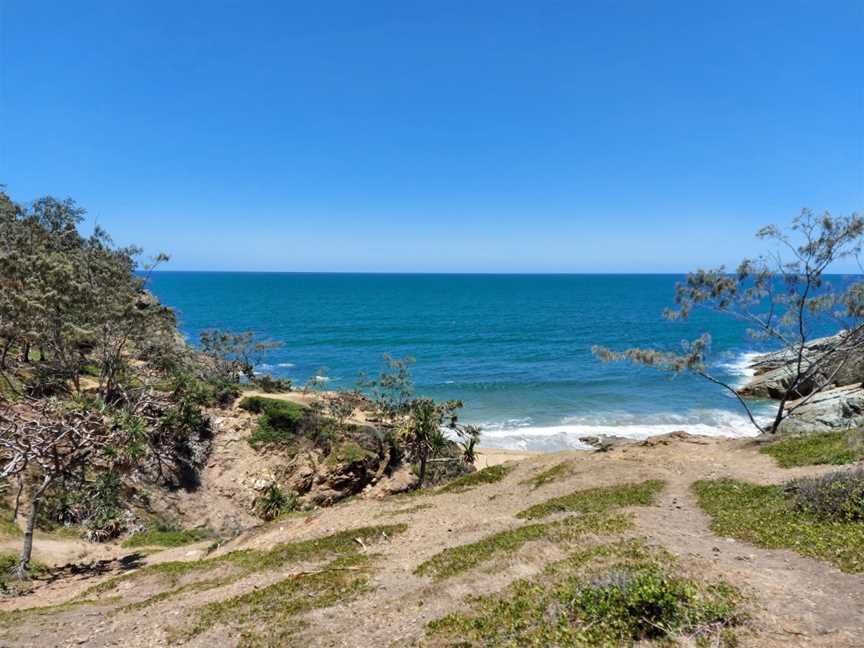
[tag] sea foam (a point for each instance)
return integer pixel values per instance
(522, 434)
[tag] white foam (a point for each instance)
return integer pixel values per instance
(520, 434)
(286, 365)
(742, 367)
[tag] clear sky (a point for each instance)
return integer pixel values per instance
(436, 136)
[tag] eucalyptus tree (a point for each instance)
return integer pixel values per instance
(786, 299)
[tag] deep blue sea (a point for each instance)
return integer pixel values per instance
(516, 349)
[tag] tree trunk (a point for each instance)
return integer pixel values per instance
(424, 455)
(25, 353)
(27, 547)
(6, 346)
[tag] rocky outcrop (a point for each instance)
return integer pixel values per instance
(833, 409)
(774, 372)
(839, 403)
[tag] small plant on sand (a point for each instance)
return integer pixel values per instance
(274, 502)
(557, 472)
(463, 557)
(778, 517)
(488, 475)
(836, 448)
(606, 595)
(597, 499)
(234, 565)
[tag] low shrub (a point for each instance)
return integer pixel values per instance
(270, 385)
(274, 502)
(836, 496)
(620, 594)
(767, 516)
(835, 448)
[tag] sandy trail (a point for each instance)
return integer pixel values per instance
(796, 601)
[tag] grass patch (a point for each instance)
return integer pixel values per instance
(766, 516)
(268, 616)
(488, 475)
(459, 559)
(348, 452)
(246, 561)
(167, 537)
(8, 528)
(608, 595)
(835, 448)
(595, 500)
(278, 423)
(9, 583)
(558, 471)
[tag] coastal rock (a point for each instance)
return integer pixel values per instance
(774, 372)
(833, 409)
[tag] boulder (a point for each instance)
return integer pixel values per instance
(774, 372)
(833, 409)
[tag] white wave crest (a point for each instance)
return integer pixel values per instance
(521, 434)
(741, 367)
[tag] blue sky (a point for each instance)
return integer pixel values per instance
(438, 136)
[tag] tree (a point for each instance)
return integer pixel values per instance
(786, 299)
(41, 450)
(233, 355)
(423, 430)
(392, 390)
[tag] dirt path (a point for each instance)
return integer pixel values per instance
(797, 601)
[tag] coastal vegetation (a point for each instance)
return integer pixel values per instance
(594, 500)
(786, 299)
(557, 472)
(605, 595)
(841, 447)
(461, 558)
(822, 518)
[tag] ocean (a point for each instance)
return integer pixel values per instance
(516, 349)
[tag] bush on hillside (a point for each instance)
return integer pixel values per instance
(837, 496)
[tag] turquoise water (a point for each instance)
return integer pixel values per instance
(515, 348)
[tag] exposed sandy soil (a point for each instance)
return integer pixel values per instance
(794, 600)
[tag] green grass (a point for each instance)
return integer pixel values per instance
(456, 560)
(278, 423)
(608, 595)
(268, 616)
(246, 561)
(348, 452)
(763, 516)
(595, 500)
(488, 475)
(167, 538)
(8, 528)
(817, 449)
(557, 472)
(9, 582)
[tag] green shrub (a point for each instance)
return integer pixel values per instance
(836, 496)
(279, 421)
(274, 502)
(816, 449)
(766, 516)
(617, 594)
(270, 385)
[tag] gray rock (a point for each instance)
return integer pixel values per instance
(833, 409)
